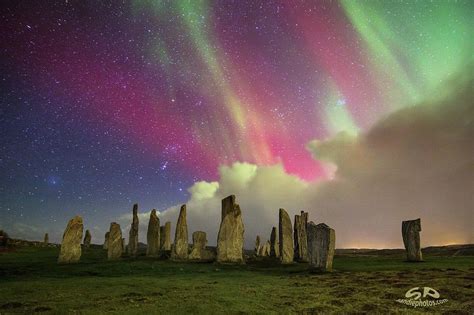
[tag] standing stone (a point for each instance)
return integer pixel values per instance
(46, 239)
(106, 240)
(71, 244)
(165, 236)
(266, 249)
(179, 250)
(411, 239)
(261, 250)
(115, 246)
(87, 239)
(286, 238)
(153, 235)
(300, 237)
(199, 251)
(257, 246)
(133, 235)
(199, 244)
(230, 240)
(321, 246)
(162, 236)
(274, 243)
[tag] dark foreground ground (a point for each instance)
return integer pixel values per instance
(364, 282)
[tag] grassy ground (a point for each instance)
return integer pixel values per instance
(31, 281)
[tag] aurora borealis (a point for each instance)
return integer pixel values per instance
(109, 103)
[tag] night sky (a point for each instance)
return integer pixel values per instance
(108, 103)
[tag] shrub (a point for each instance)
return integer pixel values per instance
(3, 238)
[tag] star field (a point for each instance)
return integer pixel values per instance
(104, 104)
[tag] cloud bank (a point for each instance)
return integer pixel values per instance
(417, 162)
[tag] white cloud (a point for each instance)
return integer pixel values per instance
(203, 190)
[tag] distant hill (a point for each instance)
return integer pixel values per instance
(449, 250)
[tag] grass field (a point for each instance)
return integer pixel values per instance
(31, 281)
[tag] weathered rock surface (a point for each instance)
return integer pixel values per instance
(87, 239)
(106, 240)
(133, 235)
(261, 249)
(165, 236)
(71, 244)
(199, 251)
(153, 235)
(179, 251)
(230, 240)
(321, 246)
(300, 237)
(257, 246)
(46, 239)
(274, 243)
(266, 249)
(411, 239)
(285, 234)
(199, 244)
(115, 242)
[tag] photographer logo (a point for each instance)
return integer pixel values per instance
(422, 297)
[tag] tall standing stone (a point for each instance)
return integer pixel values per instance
(46, 239)
(274, 243)
(71, 244)
(165, 236)
(300, 237)
(87, 239)
(115, 242)
(199, 251)
(179, 250)
(411, 239)
(230, 240)
(257, 246)
(106, 240)
(133, 235)
(321, 246)
(153, 235)
(286, 238)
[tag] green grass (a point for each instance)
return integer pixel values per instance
(30, 280)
